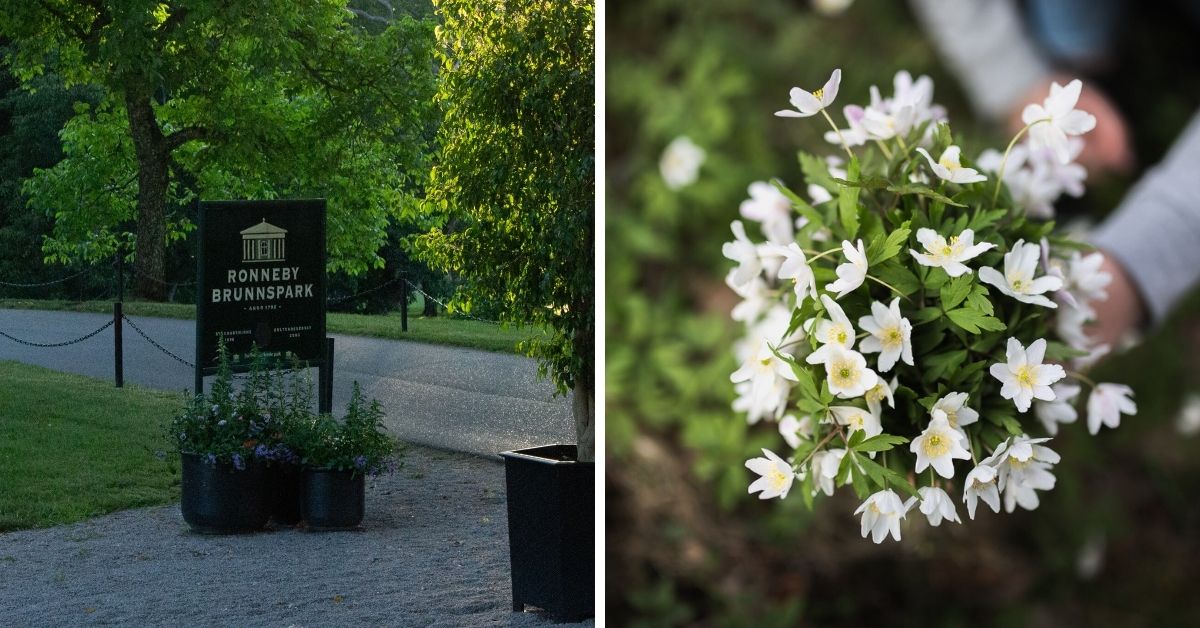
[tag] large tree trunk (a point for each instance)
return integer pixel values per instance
(152, 153)
(584, 409)
(430, 305)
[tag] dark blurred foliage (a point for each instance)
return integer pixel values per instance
(1115, 544)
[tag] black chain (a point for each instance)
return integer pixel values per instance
(156, 345)
(57, 344)
(160, 281)
(44, 283)
(443, 304)
(367, 291)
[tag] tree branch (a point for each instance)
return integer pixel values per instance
(183, 136)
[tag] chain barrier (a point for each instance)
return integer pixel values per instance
(443, 304)
(155, 344)
(44, 283)
(358, 294)
(57, 344)
(160, 281)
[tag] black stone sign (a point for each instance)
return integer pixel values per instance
(261, 279)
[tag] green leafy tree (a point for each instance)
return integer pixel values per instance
(262, 99)
(517, 173)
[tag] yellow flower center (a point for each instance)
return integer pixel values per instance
(947, 164)
(844, 374)
(840, 334)
(777, 479)
(1018, 282)
(855, 421)
(892, 338)
(936, 446)
(1026, 376)
(819, 93)
(1017, 464)
(952, 417)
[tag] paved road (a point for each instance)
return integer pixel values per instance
(459, 399)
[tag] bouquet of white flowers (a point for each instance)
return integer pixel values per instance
(921, 301)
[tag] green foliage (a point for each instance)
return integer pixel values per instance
(229, 425)
(515, 177)
(356, 443)
(312, 105)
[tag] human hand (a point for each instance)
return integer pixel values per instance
(1121, 313)
(1107, 147)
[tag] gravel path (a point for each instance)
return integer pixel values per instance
(479, 402)
(433, 552)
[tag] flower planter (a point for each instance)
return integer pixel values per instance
(333, 500)
(289, 483)
(551, 530)
(219, 499)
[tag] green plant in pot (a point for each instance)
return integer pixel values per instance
(337, 455)
(228, 442)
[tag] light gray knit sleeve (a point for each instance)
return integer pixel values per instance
(986, 45)
(1155, 232)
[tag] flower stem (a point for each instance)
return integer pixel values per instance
(1004, 161)
(900, 141)
(883, 148)
(816, 256)
(889, 287)
(838, 131)
(824, 441)
(1081, 377)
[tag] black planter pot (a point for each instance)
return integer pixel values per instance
(551, 530)
(289, 482)
(219, 499)
(333, 500)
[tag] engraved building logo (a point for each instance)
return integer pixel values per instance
(263, 243)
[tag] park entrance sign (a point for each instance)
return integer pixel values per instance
(261, 278)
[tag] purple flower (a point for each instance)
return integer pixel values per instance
(238, 463)
(262, 451)
(212, 459)
(360, 462)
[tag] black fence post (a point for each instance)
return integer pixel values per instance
(404, 304)
(118, 314)
(118, 346)
(325, 381)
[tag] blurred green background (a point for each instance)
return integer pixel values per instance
(1117, 543)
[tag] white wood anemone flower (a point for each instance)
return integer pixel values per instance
(949, 167)
(776, 476)
(881, 515)
(1024, 377)
(954, 405)
(1107, 403)
(1024, 466)
(847, 373)
(1018, 280)
(1061, 410)
(1056, 118)
(834, 331)
(824, 465)
(857, 419)
(950, 254)
(766, 382)
(982, 483)
(745, 253)
(890, 335)
(770, 208)
(795, 430)
(938, 446)
(680, 163)
(875, 396)
(795, 267)
(811, 103)
(852, 273)
(936, 505)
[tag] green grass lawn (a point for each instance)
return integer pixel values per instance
(438, 330)
(72, 447)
